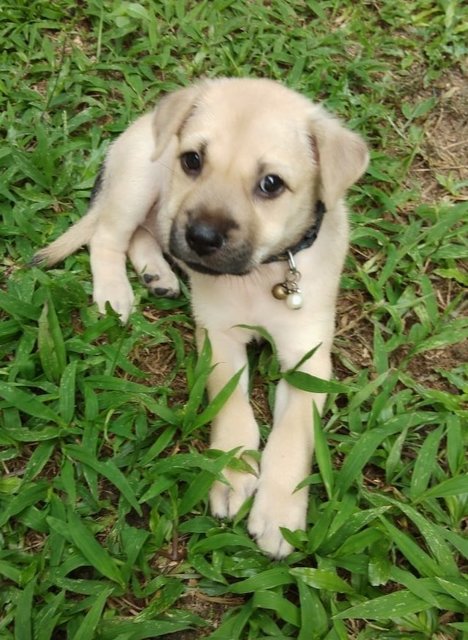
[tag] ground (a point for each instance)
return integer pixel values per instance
(104, 525)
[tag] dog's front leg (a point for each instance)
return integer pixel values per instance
(286, 460)
(149, 263)
(108, 248)
(120, 212)
(235, 424)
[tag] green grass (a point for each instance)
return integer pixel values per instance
(104, 526)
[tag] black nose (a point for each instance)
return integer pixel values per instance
(203, 237)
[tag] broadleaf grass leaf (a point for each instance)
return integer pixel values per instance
(51, 345)
(223, 540)
(67, 392)
(314, 617)
(110, 630)
(94, 553)
(27, 403)
(412, 551)
(434, 539)
(283, 608)
(458, 589)
(389, 607)
(48, 617)
(88, 626)
(312, 384)
(425, 463)
(23, 615)
(38, 460)
(18, 308)
(367, 390)
(322, 579)
(322, 453)
(451, 487)
(108, 469)
(196, 491)
(269, 579)
(29, 495)
(216, 404)
(362, 451)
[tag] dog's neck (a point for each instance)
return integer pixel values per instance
(289, 290)
(307, 239)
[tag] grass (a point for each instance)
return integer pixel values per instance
(104, 527)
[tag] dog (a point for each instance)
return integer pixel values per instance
(241, 182)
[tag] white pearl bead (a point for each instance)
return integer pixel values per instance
(294, 300)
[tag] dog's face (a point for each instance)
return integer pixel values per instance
(250, 161)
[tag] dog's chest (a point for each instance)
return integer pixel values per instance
(219, 304)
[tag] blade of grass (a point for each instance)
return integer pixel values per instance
(23, 615)
(91, 620)
(67, 392)
(38, 460)
(216, 404)
(360, 455)
(286, 610)
(458, 589)
(390, 607)
(51, 345)
(269, 579)
(322, 579)
(27, 403)
(108, 469)
(96, 555)
(314, 617)
(307, 382)
(412, 551)
(322, 453)
(457, 486)
(28, 496)
(48, 617)
(425, 463)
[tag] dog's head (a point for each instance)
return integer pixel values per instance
(252, 158)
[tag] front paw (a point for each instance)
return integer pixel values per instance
(274, 508)
(118, 294)
(164, 285)
(226, 500)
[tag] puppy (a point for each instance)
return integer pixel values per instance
(241, 182)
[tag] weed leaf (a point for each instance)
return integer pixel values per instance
(23, 615)
(94, 553)
(90, 622)
(27, 403)
(389, 607)
(51, 344)
(322, 453)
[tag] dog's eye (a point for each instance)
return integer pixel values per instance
(191, 162)
(270, 186)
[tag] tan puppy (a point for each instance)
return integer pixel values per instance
(226, 177)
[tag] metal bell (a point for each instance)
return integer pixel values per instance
(279, 291)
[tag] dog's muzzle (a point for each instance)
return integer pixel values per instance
(210, 244)
(204, 238)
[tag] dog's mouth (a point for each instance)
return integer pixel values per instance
(201, 268)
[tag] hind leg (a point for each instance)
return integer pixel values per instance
(149, 263)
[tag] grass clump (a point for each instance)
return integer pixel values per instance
(104, 526)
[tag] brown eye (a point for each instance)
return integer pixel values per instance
(270, 186)
(191, 162)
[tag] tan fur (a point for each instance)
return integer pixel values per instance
(75, 237)
(218, 220)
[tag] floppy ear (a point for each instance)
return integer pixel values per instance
(171, 113)
(341, 154)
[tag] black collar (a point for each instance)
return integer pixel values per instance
(307, 239)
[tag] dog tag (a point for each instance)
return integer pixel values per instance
(289, 289)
